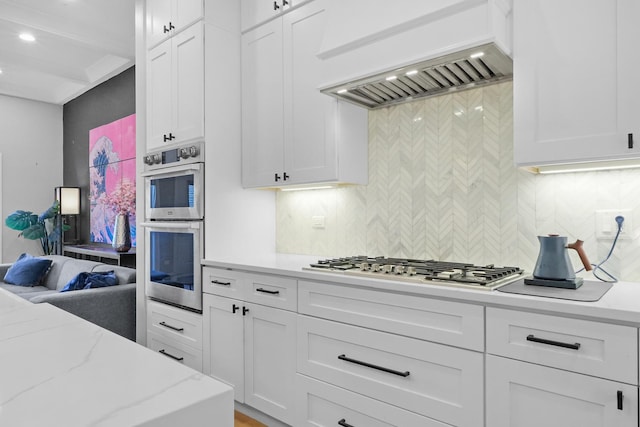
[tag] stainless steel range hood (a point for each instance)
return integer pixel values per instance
(465, 69)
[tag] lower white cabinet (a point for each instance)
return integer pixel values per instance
(521, 394)
(319, 404)
(252, 348)
(175, 333)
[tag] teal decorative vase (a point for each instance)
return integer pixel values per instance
(121, 233)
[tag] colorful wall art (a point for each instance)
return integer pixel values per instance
(112, 172)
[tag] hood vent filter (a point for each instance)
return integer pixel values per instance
(461, 70)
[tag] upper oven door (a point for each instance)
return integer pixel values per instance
(175, 193)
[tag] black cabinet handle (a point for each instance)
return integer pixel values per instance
(234, 308)
(343, 423)
(277, 177)
(179, 359)
(171, 27)
(171, 327)
(165, 138)
(630, 141)
(285, 176)
(217, 282)
(171, 137)
(267, 291)
(620, 398)
(275, 5)
(369, 365)
(245, 310)
(533, 338)
(165, 29)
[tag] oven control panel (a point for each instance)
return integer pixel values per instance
(192, 153)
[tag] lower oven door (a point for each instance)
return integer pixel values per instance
(173, 252)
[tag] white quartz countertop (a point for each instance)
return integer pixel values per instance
(59, 370)
(621, 304)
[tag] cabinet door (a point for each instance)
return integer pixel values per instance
(270, 361)
(186, 12)
(223, 342)
(520, 394)
(575, 93)
(188, 89)
(158, 18)
(254, 12)
(309, 116)
(159, 105)
(262, 133)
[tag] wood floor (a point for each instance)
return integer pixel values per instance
(242, 420)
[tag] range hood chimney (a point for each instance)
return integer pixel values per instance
(473, 67)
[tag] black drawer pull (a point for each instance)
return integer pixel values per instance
(620, 397)
(343, 423)
(369, 365)
(217, 282)
(267, 291)
(630, 141)
(575, 346)
(171, 327)
(179, 359)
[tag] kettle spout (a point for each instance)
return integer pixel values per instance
(577, 245)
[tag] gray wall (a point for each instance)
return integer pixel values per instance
(110, 101)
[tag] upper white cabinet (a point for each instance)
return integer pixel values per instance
(293, 134)
(575, 89)
(166, 18)
(255, 12)
(175, 89)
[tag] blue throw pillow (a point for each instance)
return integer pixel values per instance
(27, 271)
(86, 280)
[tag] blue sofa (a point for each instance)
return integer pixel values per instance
(113, 307)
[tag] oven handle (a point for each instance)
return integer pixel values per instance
(173, 169)
(185, 225)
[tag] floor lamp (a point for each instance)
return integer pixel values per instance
(69, 198)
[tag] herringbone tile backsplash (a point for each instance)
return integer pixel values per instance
(442, 185)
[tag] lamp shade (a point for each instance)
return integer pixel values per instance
(69, 198)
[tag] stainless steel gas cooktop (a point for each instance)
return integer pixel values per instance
(421, 271)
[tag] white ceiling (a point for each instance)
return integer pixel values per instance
(79, 44)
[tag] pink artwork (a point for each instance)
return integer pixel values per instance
(112, 166)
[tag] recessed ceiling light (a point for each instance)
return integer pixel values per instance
(476, 55)
(27, 37)
(391, 78)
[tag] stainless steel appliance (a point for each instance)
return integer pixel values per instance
(173, 252)
(174, 181)
(486, 277)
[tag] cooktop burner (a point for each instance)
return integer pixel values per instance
(421, 271)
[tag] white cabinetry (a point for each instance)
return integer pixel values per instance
(175, 333)
(255, 12)
(544, 391)
(575, 86)
(165, 18)
(249, 345)
(395, 355)
(175, 89)
(292, 133)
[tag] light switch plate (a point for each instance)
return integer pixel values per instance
(607, 227)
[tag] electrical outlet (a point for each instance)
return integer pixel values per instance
(607, 227)
(317, 221)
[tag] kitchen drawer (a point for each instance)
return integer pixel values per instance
(593, 348)
(223, 282)
(179, 325)
(440, 382)
(272, 291)
(446, 322)
(188, 356)
(320, 404)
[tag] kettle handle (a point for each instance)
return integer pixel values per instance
(577, 245)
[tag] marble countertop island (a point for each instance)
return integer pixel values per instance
(59, 370)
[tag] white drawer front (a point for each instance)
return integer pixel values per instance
(593, 348)
(440, 382)
(272, 291)
(188, 356)
(219, 281)
(320, 404)
(446, 322)
(174, 323)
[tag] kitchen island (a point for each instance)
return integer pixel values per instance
(58, 369)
